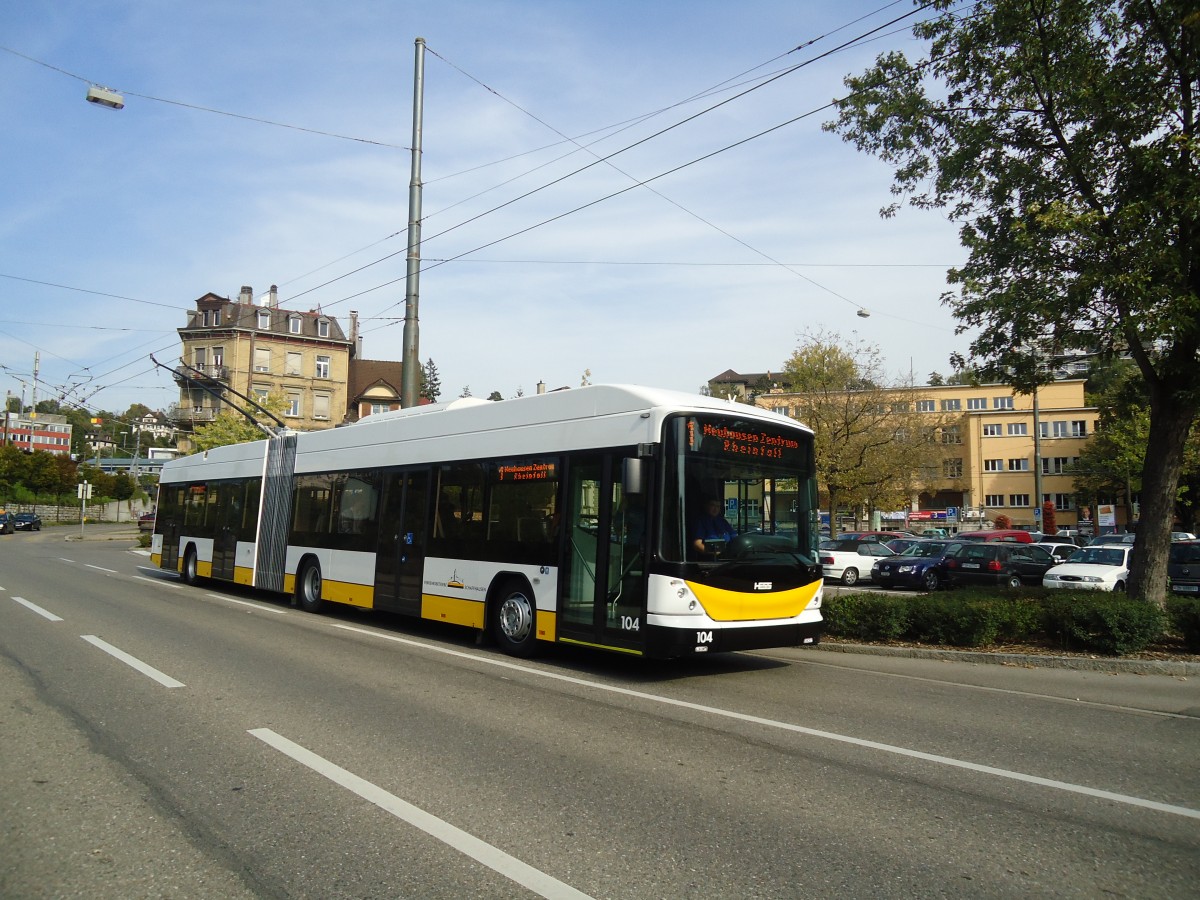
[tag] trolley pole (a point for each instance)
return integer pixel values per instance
(409, 384)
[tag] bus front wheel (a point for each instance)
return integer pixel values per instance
(308, 587)
(514, 621)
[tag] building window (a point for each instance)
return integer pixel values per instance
(977, 403)
(291, 365)
(320, 406)
(262, 359)
(1018, 465)
(925, 406)
(1079, 428)
(993, 465)
(1055, 465)
(323, 328)
(293, 404)
(952, 468)
(200, 357)
(950, 435)
(264, 320)
(1063, 501)
(1018, 500)
(951, 405)
(901, 406)
(294, 324)
(218, 357)
(993, 500)
(322, 370)
(377, 408)
(992, 431)
(261, 393)
(1002, 403)
(1016, 428)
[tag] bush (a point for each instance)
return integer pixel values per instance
(865, 617)
(1184, 613)
(954, 620)
(1111, 624)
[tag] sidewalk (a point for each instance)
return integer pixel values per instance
(102, 531)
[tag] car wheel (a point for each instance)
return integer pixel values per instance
(931, 581)
(850, 577)
(1119, 587)
(1013, 581)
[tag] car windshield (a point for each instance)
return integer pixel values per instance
(1185, 553)
(1099, 556)
(926, 549)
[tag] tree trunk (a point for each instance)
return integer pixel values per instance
(1170, 422)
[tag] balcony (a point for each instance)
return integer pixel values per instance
(195, 415)
(215, 372)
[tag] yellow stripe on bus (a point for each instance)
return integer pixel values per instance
(739, 606)
(452, 610)
(336, 591)
(547, 625)
(243, 575)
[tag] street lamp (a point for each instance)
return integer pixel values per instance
(103, 96)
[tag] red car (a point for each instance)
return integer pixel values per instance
(146, 522)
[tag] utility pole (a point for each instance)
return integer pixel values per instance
(411, 360)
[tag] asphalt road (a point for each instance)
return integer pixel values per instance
(165, 741)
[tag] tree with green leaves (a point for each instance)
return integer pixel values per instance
(431, 383)
(231, 427)
(1061, 135)
(872, 449)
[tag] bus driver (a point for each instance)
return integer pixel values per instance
(711, 526)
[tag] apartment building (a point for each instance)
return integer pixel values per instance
(258, 349)
(30, 431)
(998, 449)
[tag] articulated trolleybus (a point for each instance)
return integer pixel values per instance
(570, 517)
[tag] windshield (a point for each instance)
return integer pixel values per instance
(926, 549)
(1099, 556)
(737, 488)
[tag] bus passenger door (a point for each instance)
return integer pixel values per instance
(400, 562)
(602, 581)
(228, 514)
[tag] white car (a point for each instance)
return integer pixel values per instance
(1099, 568)
(850, 561)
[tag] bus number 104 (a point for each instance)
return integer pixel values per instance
(630, 623)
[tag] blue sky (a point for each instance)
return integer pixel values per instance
(113, 222)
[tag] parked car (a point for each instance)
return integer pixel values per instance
(6, 523)
(851, 561)
(1013, 535)
(1099, 568)
(881, 536)
(1059, 549)
(899, 545)
(1183, 567)
(1105, 539)
(1007, 563)
(921, 566)
(1182, 536)
(146, 522)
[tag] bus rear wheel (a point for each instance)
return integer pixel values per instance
(514, 621)
(190, 573)
(308, 587)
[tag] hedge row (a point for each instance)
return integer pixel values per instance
(1108, 624)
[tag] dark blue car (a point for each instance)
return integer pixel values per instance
(920, 567)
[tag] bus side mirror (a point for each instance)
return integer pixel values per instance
(633, 475)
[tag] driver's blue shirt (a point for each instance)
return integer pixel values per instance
(713, 528)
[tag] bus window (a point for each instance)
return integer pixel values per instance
(521, 503)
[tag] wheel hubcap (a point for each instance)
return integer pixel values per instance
(516, 617)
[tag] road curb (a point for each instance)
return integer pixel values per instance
(1024, 660)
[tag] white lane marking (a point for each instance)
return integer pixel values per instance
(1051, 698)
(163, 581)
(800, 729)
(482, 852)
(102, 569)
(259, 607)
(133, 662)
(64, 559)
(46, 614)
